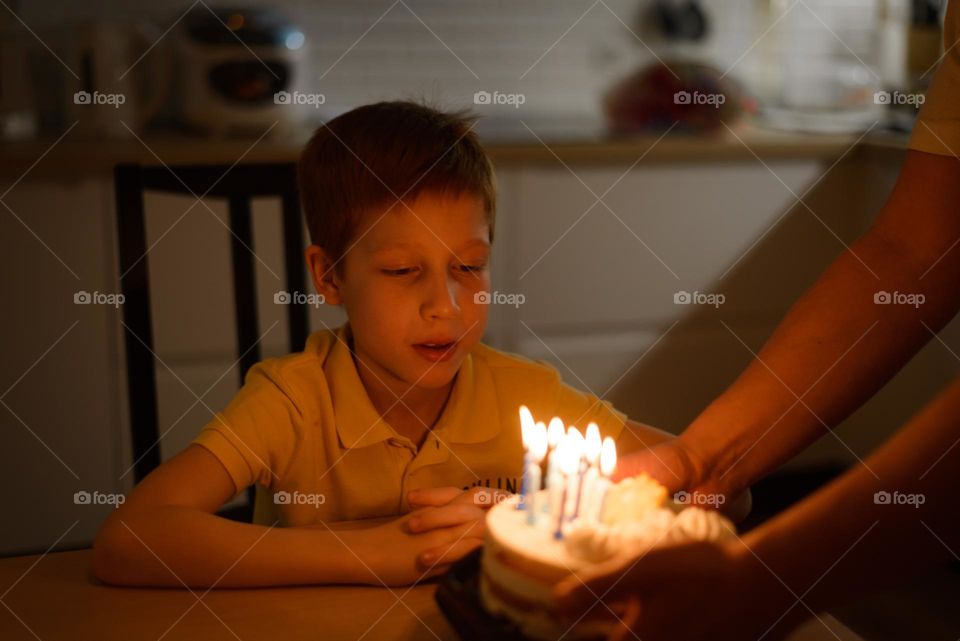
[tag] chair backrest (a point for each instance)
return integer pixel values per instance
(238, 185)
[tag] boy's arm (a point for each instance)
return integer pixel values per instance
(836, 347)
(166, 534)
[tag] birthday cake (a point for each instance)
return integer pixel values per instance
(525, 556)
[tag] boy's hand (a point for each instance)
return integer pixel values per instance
(481, 497)
(392, 554)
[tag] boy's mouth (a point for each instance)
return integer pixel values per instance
(436, 352)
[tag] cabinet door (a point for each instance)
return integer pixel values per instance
(59, 372)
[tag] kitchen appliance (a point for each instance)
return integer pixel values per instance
(112, 83)
(238, 70)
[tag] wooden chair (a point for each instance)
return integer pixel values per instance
(237, 185)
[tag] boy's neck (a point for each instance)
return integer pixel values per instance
(410, 411)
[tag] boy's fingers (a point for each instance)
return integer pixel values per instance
(483, 497)
(432, 518)
(433, 496)
(448, 554)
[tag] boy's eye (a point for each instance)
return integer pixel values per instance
(472, 269)
(399, 271)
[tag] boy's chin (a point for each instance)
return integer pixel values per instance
(438, 377)
(434, 376)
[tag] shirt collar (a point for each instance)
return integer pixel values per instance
(471, 414)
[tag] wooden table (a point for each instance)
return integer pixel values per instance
(54, 597)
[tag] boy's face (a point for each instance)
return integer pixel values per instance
(408, 284)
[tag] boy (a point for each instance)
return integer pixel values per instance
(380, 423)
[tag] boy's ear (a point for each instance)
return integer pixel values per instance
(324, 275)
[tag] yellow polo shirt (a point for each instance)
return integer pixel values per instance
(304, 430)
(937, 130)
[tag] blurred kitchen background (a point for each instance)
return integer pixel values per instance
(644, 149)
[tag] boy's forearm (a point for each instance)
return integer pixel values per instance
(843, 540)
(176, 546)
(832, 352)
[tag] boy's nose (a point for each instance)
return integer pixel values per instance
(441, 299)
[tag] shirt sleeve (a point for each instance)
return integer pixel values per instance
(254, 436)
(937, 130)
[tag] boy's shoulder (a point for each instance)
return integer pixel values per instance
(509, 364)
(298, 373)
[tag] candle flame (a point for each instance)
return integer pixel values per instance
(526, 425)
(608, 456)
(555, 431)
(538, 441)
(592, 444)
(575, 445)
(568, 455)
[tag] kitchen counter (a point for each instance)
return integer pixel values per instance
(516, 145)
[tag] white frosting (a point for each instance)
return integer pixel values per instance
(697, 524)
(598, 542)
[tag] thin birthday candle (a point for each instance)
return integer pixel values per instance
(592, 445)
(538, 449)
(608, 463)
(555, 433)
(567, 464)
(574, 454)
(526, 433)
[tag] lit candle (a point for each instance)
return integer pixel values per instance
(592, 445)
(608, 462)
(526, 435)
(567, 460)
(573, 474)
(538, 449)
(555, 433)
